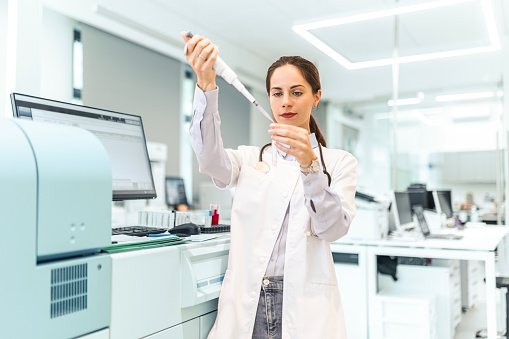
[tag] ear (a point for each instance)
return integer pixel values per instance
(318, 96)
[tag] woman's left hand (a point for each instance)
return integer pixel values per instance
(298, 140)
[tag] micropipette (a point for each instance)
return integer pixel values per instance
(230, 77)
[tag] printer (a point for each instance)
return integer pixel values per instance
(55, 216)
(371, 220)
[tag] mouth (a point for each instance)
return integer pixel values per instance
(288, 115)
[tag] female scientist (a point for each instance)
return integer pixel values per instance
(283, 216)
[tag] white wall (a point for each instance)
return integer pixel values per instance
(56, 56)
(259, 124)
(144, 22)
(3, 61)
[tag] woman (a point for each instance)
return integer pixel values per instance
(283, 220)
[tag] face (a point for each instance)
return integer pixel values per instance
(291, 97)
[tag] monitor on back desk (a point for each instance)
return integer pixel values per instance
(445, 202)
(402, 211)
(176, 192)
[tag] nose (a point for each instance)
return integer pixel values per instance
(287, 100)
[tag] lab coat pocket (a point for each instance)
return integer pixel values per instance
(319, 271)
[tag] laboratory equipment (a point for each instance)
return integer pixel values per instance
(402, 211)
(371, 220)
(56, 216)
(219, 228)
(230, 77)
(118, 132)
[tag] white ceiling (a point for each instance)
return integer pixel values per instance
(265, 28)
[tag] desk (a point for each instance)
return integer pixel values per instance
(477, 244)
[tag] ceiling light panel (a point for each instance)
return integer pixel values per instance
(429, 30)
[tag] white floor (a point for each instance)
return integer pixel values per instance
(471, 322)
(475, 319)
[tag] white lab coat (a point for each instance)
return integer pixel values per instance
(311, 300)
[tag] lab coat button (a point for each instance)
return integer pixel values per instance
(253, 294)
(262, 259)
(266, 282)
(285, 194)
(308, 233)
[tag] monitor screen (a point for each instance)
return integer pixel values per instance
(430, 202)
(445, 201)
(423, 198)
(403, 208)
(121, 134)
(175, 192)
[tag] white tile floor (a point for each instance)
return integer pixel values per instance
(475, 319)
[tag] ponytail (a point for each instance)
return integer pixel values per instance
(313, 128)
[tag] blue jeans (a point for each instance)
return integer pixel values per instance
(268, 323)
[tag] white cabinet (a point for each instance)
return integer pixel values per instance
(471, 279)
(430, 280)
(350, 267)
(197, 328)
(206, 323)
(398, 315)
(160, 293)
(103, 334)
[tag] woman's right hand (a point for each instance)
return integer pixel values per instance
(201, 55)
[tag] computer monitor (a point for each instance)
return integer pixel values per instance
(422, 198)
(175, 192)
(443, 202)
(402, 211)
(430, 202)
(121, 134)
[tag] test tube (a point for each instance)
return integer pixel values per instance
(208, 218)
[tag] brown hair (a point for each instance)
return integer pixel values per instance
(310, 73)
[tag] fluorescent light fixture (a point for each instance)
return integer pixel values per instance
(303, 30)
(464, 96)
(404, 102)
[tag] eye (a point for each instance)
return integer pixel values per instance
(276, 94)
(297, 93)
